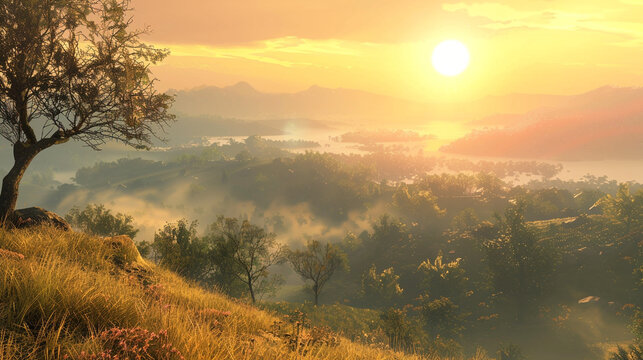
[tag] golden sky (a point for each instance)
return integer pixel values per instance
(384, 46)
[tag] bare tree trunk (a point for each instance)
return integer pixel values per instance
(10, 184)
(316, 291)
(252, 292)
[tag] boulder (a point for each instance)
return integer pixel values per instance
(35, 216)
(125, 251)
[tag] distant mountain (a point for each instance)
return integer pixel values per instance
(355, 107)
(242, 101)
(606, 123)
(601, 124)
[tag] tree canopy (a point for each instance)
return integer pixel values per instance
(317, 263)
(73, 69)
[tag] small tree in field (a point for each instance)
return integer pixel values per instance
(317, 263)
(245, 252)
(73, 69)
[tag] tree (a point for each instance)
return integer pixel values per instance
(248, 252)
(402, 333)
(418, 206)
(317, 263)
(73, 69)
(625, 206)
(177, 247)
(442, 318)
(97, 220)
(521, 267)
(380, 289)
(443, 278)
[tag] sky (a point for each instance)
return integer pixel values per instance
(385, 46)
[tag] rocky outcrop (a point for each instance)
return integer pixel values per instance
(125, 251)
(35, 216)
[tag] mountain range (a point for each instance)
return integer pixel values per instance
(242, 101)
(606, 123)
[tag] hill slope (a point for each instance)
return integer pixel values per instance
(69, 295)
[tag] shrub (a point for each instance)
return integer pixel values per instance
(402, 333)
(97, 220)
(510, 352)
(135, 344)
(633, 353)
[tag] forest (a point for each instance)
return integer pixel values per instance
(443, 264)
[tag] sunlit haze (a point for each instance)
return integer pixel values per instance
(541, 47)
(321, 179)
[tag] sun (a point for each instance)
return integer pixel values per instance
(450, 58)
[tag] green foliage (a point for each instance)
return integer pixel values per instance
(465, 220)
(177, 247)
(243, 156)
(447, 185)
(514, 276)
(113, 173)
(419, 206)
(317, 263)
(510, 352)
(245, 252)
(77, 70)
(540, 204)
(521, 267)
(443, 279)
(637, 326)
(625, 207)
(633, 353)
(97, 220)
(381, 289)
(442, 318)
(402, 333)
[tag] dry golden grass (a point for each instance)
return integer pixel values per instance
(57, 300)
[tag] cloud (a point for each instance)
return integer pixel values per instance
(281, 51)
(245, 21)
(502, 17)
(506, 17)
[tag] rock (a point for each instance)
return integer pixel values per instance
(125, 251)
(35, 216)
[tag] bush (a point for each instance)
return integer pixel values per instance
(510, 352)
(402, 333)
(134, 343)
(97, 220)
(633, 353)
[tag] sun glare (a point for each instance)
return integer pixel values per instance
(450, 58)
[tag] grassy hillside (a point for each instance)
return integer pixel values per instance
(69, 295)
(353, 323)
